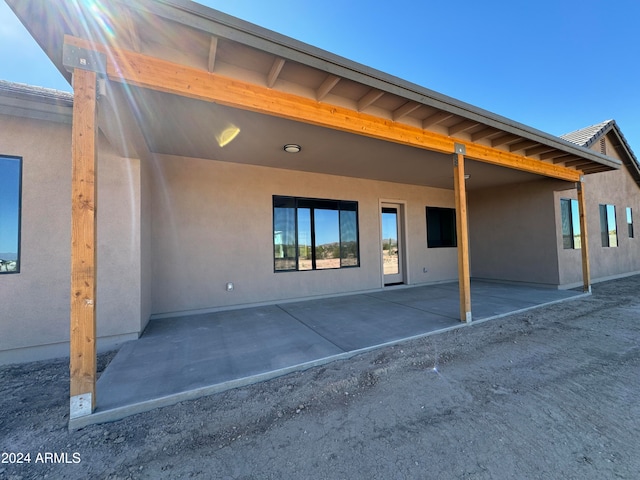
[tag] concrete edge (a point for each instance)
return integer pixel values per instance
(570, 286)
(119, 413)
(526, 309)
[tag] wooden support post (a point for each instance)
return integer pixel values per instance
(462, 225)
(83, 244)
(582, 207)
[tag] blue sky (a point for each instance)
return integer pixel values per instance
(553, 65)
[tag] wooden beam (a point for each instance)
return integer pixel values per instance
(147, 72)
(462, 230)
(83, 245)
(564, 158)
(553, 154)
(518, 162)
(595, 168)
(405, 110)
(577, 163)
(484, 133)
(274, 73)
(502, 139)
(514, 147)
(537, 150)
(328, 84)
(213, 51)
(582, 208)
(462, 126)
(132, 31)
(435, 119)
(369, 98)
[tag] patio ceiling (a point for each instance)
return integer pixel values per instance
(173, 125)
(190, 35)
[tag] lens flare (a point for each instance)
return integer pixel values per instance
(227, 135)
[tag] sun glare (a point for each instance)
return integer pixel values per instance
(226, 136)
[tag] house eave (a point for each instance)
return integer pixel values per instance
(221, 24)
(34, 103)
(215, 23)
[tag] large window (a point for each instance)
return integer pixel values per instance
(10, 184)
(441, 227)
(608, 226)
(314, 234)
(571, 238)
(630, 221)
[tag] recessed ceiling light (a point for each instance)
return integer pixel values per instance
(292, 148)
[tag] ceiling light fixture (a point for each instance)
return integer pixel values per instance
(292, 148)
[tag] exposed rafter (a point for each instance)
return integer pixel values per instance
(594, 168)
(213, 49)
(514, 147)
(132, 30)
(462, 126)
(436, 118)
(328, 84)
(405, 110)
(563, 157)
(537, 150)
(369, 99)
(578, 163)
(553, 154)
(504, 139)
(161, 75)
(484, 133)
(274, 73)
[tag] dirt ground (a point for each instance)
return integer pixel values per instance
(548, 394)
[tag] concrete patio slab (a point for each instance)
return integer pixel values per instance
(191, 356)
(362, 321)
(186, 353)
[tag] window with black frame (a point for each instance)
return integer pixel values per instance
(441, 227)
(314, 234)
(10, 198)
(608, 226)
(571, 237)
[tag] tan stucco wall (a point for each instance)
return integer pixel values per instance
(512, 233)
(145, 243)
(212, 224)
(119, 257)
(613, 188)
(34, 323)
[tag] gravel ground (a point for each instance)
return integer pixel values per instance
(547, 394)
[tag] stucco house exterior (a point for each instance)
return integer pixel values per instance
(613, 209)
(229, 166)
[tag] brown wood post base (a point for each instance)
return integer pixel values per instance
(462, 234)
(83, 245)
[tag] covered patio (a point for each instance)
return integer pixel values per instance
(196, 355)
(192, 100)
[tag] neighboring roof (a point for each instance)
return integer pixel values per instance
(19, 99)
(45, 94)
(586, 137)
